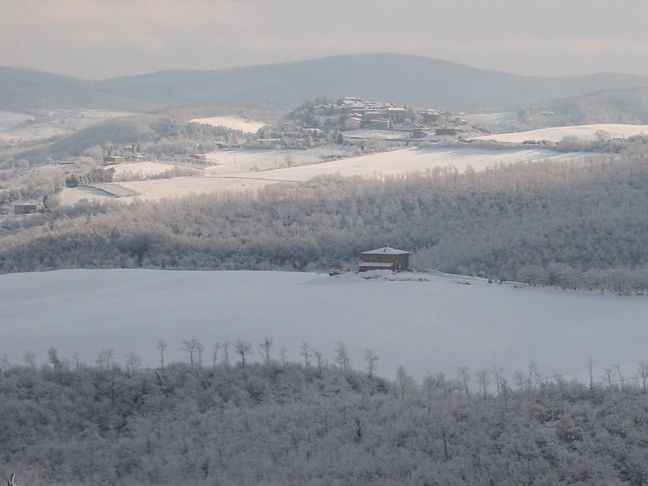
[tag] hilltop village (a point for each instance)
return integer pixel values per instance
(352, 120)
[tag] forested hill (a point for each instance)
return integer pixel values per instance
(23, 90)
(304, 424)
(624, 106)
(574, 224)
(401, 79)
(411, 80)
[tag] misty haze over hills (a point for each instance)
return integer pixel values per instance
(403, 79)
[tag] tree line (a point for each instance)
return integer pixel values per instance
(287, 422)
(578, 223)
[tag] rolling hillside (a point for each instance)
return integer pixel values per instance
(624, 106)
(402, 79)
(23, 90)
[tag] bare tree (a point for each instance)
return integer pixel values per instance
(520, 380)
(464, 373)
(590, 367)
(284, 356)
(265, 349)
(617, 367)
(30, 359)
(442, 383)
(608, 376)
(5, 362)
(76, 357)
(192, 346)
(602, 138)
(52, 356)
(533, 374)
(226, 346)
(217, 346)
(133, 363)
(402, 380)
(243, 349)
(305, 352)
(484, 383)
(342, 356)
(371, 357)
(428, 386)
(498, 373)
(162, 347)
(105, 355)
(200, 349)
(319, 359)
(643, 374)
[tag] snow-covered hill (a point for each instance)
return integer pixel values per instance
(254, 169)
(426, 322)
(48, 123)
(233, 122)
(555, 134)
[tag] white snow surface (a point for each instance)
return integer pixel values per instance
(555, 134)
(506, 116)
(233, 122)
(47, 123)
(237, 170)
(377, 134)
(426, 322)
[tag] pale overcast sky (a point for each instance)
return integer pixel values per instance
(98, 39)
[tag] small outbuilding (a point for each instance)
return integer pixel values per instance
(113, 159)
(385, 258)
(25, 208)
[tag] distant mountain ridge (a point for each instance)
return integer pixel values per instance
(27, 89)
(403, 79)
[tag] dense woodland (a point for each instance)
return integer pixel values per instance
(278, 422)
(573, 224)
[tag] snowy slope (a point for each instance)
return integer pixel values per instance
(233, 171)
(233, 122)
(47, 123)
(434, 325)
(555, 134)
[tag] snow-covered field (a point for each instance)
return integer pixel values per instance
(143, 169)
(238, 169)
(555, 134)
(47, 123)
(71, 196)
(377, 134)
(506, 116)
(426, 322)
(233, 122)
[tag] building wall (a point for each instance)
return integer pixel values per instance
(366, 268)
(402, 260)
(24, 208)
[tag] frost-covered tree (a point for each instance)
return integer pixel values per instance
(243, 349)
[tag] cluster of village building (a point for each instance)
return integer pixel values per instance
(317, 121)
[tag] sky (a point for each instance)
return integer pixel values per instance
(100, 39)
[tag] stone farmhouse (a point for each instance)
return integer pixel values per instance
(385, 258)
